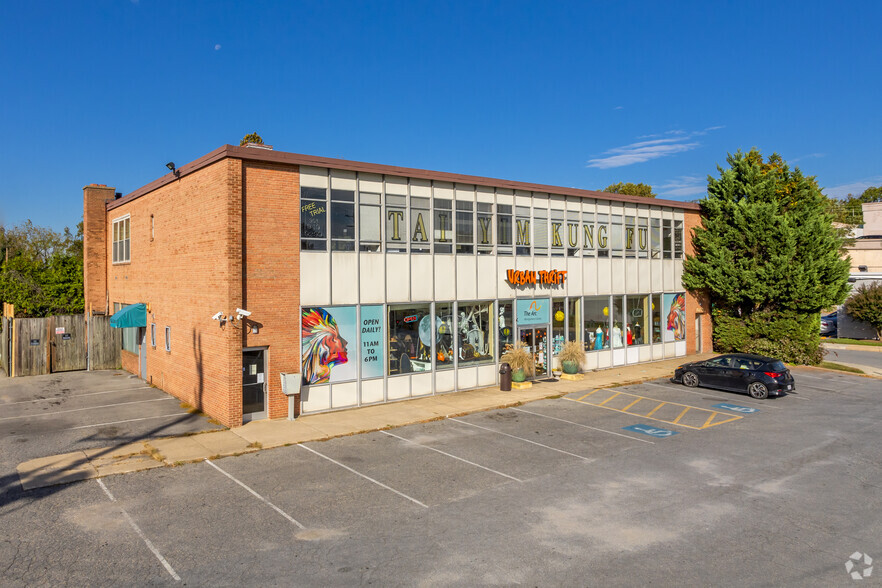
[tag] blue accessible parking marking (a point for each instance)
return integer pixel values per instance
(736, 408)
(651, 431)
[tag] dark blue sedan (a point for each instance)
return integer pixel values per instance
(757, 375)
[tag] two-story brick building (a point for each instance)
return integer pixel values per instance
(376, 283)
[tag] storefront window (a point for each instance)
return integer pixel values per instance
(369, 224)
(596, 334)
(656, 317)
(342, 220)
(396, 223)
(313, 219)
(667, 241)
(503, 229)
(587, 234)
(602, 234)
(615, 235)
(465, 228)
(444, 336)
(637, 327)
(475, 333)
(557, 233)
(522, 230)
(505, 320)
(643, 238)
(630, 237)
(573, 231)
(558, 324)
(419, 223)
(540, 231)
(678, 239)
(443, 226)
(407, 352)
(573, 319)
(485, 228)
(655, 238)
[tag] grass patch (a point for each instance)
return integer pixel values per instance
(256, 445)
(868, 342)
(838, 366)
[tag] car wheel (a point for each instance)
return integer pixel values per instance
(689, 379)
(758, 390)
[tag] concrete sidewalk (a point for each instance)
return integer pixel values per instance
(257, 435)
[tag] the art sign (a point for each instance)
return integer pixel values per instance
(533, 278)
(533, 312)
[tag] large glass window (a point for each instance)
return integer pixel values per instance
(342, 220)
(475, 332)
(588, 234)
(630, 237)
(444, 340)
(121, 240)
(602, 234)
(656, 306)
(678, 239)
(667, 241)
(558, 325)
(396, 223)
(522, 230)
(637, 327)
(503, 229)
(443, 226)
(643, 238)
(573, 319)
(557, 233)
(655, 238)
(369, 222)
(407, 352)
(313, 219)
(617, 335)
(465, 228)
(419, 225)
(615, 235)
(540, 231)
(485, 228)
(596, 334)
(505, 320)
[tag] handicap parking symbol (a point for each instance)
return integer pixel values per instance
(651, 431)
(736, 408)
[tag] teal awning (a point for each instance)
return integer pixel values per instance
(133, 315)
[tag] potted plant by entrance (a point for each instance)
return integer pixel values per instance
(571, 357)
(520, 360)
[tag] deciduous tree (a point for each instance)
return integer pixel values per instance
(865, 304)
(644, 190)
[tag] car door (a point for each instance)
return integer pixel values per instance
(712, 372)
(738, 375)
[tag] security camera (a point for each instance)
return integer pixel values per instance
(217, 316)
(240, 312)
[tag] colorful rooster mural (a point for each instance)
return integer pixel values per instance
(677, 317)
(322, 346)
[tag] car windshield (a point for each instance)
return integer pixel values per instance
(777, 366)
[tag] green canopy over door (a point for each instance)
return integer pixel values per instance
(133, 315)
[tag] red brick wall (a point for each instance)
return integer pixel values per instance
(272, 271)
(696, 302)
(95, 234)
(130, 362)
(186, 270)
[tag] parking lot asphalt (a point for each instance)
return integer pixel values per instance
(553, 492)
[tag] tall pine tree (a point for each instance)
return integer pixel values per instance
(768, 257)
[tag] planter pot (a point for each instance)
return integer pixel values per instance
(570, 367)
(518, 375)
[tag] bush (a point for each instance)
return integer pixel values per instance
(865, 305)
(784, 335)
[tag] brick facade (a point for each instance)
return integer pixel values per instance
(697, 304)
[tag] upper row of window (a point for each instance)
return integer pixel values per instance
(442, 225)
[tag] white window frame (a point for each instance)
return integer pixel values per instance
(116, 255)
(153, 335)
(168, 338)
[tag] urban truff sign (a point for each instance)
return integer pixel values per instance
(542, 278)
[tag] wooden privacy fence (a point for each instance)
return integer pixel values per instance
(60, 343)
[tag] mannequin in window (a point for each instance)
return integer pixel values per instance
(628, 336)
(617, 336)
(598, 338)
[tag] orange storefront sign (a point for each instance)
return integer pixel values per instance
(542, 277)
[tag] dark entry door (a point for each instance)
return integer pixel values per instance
(253, 384)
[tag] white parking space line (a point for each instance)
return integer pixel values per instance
(261, 498)
(141, 534)
(584, 426)
(453, 456)
(707, 395)
(70, 396)
(582, 457)
(164, 416)
(368, 478)
(42, 414)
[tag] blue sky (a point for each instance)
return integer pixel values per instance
(579, 94)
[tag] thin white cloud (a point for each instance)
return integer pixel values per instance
(619, 108)
(217, 47)
(854, 188)
(809, 156)
(683, 186)
(676, 141)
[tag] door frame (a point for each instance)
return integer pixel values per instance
(257, 416)
(549, 360)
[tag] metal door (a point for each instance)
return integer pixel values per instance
(253, 384)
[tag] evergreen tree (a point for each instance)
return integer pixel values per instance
(768, 257)
(865, 304)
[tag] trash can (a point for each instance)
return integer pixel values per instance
(505, 377)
